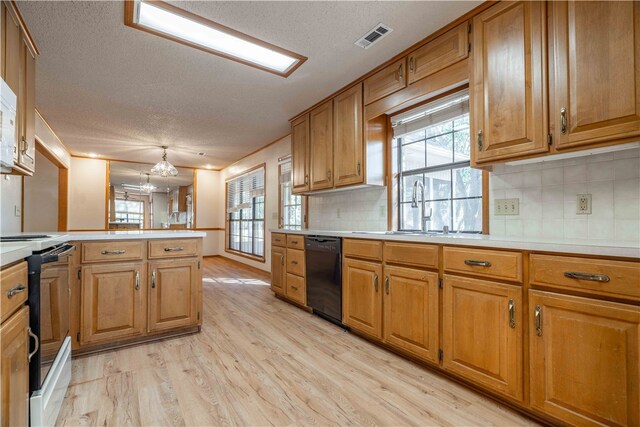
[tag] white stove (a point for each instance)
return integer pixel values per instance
(37, 241)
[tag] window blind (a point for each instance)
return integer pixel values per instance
(446, 108)
(242, 189)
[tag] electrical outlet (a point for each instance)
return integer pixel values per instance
(583, 204)
(507, 207)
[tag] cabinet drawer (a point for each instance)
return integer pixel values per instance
(173, 248)
(296, 289)
(367, 249)
(295, 241)
(295, 262)
(595, 276)
(14, 284)
(278, 239)
(111, 251)
(411, 254)
(483, 262)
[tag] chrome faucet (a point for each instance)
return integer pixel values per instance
(424, 218)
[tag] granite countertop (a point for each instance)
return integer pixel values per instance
(573, 246)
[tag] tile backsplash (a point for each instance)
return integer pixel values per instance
(548, 192)
(361, 209)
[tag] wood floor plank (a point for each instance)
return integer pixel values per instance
(260, 361)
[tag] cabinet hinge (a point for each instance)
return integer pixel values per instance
(440, 283)
(78, 337)
(549, 138)
(440, 355)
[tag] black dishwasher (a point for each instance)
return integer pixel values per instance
(324, 276)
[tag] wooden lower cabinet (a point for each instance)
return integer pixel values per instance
(113, 304)
(173, 294)
(278, 269)
(296, 289)
(362, 296)
(584, 359)
(482, 333)
(411, 311)
(14, 369)
(54, 308)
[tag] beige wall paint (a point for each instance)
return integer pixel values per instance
(40, 208)
(208, 213)
(269, 156)
(87, 186)
(11, 196)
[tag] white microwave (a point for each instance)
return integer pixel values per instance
(8, 102)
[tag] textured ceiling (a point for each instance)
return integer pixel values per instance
(120, 92)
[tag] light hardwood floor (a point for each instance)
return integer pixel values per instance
(261, 361)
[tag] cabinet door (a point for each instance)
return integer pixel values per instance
(11, 67)
(390, 79)
(173, 296)
(438, 54)
(411, 311)
(278, 269)
(347, 137)
(482, 334)
(321, 146)
(508, 82)
(595, 65)
(362, 296)
(27, 144)
(113, 302)
(300, 154)
(585, 359)
(14, 369)
(54, 308)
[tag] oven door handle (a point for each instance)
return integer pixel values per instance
(36, 340)
(67, 251)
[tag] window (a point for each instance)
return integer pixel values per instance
(130, 211)
(245, 213)
(432, 145)
(292, 207)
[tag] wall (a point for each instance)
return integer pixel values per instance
(209, 214)
(11, 196)
(87, 184)
(362, 209)
(269, 156)
(40, 209)
(547, 193)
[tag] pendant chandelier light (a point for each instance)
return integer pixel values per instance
(164, 168)
(147, 187)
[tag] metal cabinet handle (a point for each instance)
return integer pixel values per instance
(563, 120)
(329, 174)
(294, 242)
(153, 279)
(294, 262)
(386, 284)
(282, 259)
(537, 315)
(114, 252)
(411, 64)
(480, 142)
(16, 290)
(174, 249)
(36, 340)
(137, 280)
(375, 282)
(400, 73)
(512, 314)
(476, 263)
(358, 167)
(294, 288)
(586, 276)
(25, 145)
(306, 179)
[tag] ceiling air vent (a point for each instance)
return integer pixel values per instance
(373, 36)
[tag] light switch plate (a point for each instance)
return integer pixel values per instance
(583, 204)
(17, 211)
(507, 206)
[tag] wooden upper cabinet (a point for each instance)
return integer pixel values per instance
(14, 365)
(173, 294)
(508, 82)
(439, 53)
(386, 81)
(27, 143)
(347, 137)
(482, 333)
(411, 311)
(300, 154)
(11, 65)
(321, 146)
(595, 69)
(278, 269)
(362, 296)
(584, 359)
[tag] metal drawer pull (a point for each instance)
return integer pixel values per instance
(153, 279)
(512, 314)
(16, 290)
(294, 242)
(174, 249)
(537, 315)
(294, 288)
(375, 282)
(386, 284)
(473, 262)
(114, 252)
(36, 340)
(294, 262)
(586, 276)
(137, 280)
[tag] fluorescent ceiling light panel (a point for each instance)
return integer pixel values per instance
(176, 24)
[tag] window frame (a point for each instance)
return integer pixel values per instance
(304, 202)
(127, 213)
(251, 256)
